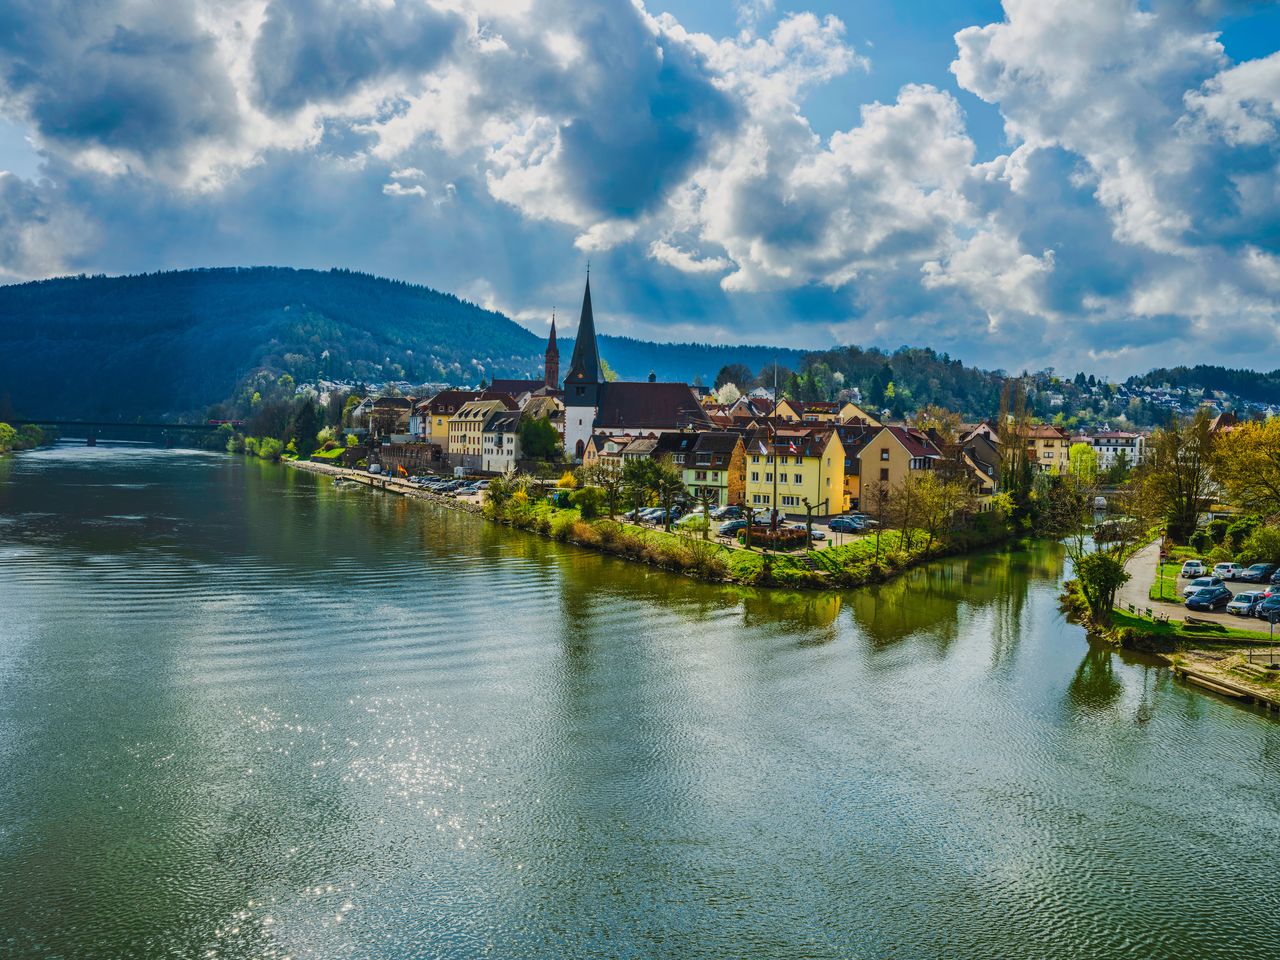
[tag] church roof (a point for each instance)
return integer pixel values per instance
(649, 405)
(585, 365)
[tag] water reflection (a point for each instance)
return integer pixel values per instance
(295, 720)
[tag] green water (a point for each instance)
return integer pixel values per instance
(245, 715)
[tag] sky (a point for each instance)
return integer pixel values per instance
(1084, 184)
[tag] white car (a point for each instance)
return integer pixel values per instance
(1201, 583)
(1228, 571)
(1192, 568)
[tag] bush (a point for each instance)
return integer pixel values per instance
(589, 501)
(1201, 541)
(1217, 530)
(1239, 531)
(1219, 555)
(1261, 546)
(560, 526)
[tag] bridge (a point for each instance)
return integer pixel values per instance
(206, 427)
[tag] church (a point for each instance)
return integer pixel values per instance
(594, 406)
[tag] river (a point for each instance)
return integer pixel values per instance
(246, 715)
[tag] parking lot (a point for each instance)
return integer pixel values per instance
(1142, 567)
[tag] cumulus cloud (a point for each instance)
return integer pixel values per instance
(1141, 187)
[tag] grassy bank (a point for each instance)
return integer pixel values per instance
(852, 564)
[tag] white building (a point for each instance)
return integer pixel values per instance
(1109, 444)
(501, 442)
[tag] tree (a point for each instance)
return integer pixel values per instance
(638, 480)
(1014, 424)
(729, 393)
(8, 437)
(943, 422)
(1084, 463)
(738, 373)
(304, 426)
(1246, 461)
(668, 485)
(1176, 477)
(608, 476)
(606, 371)
(539, 439)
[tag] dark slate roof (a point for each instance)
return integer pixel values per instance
(648, 406)
(675, 443)
(503, 422)
(393, 403)
(585, 365)
(448, 401)
(716, 441)
(517, 387)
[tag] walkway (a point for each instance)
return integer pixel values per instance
(1142, 568)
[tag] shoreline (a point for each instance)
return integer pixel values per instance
(827, 570)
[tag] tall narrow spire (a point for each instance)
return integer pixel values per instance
(551, 368)
(584, 368)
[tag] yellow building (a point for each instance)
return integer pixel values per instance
(882, 456)
(823, 411)
(466, 431)
(1048, 448)
(807, 466)
(444, 406)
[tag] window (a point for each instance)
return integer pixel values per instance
(700, 475)
(755, 458)
(784, 460)
(768, 478)
(884, 473)
(715, 474)
(791, 501)
(799, 478)
(759, 498)
(677, 458)
(755, 476)
(769, 459)
(884, 453)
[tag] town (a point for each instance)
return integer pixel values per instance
(782, 458)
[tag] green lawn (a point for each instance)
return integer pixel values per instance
(1165, 585)
(1178, 629)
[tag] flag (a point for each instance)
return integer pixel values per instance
(791, 445)
(402, 471)
(762, 449)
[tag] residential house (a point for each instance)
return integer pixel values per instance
(716, 468)
(389, 416)
(823, 411)
(500, 441)
(795, 469)
(884, 456)
(436, 413)
(1048, 448)
(1110, 444)
(466, 431)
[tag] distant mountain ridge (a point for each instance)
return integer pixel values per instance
(172, 343)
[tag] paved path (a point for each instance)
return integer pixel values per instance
(1142, 568)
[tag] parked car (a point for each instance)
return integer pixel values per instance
(1258, 573)
(1244, 603)
(1275, 579)
(1228, 571)
(1201, 583)
(1210, 598)
(1268, 607)
(1192, 568)
(846, 525)
(726, 513)
(731, 527)
(817, 535)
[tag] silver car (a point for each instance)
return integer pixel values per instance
(1201, 583)
(1243, 604)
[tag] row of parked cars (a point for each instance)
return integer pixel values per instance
(453, 485)
(1210, 592)
(1258, 573)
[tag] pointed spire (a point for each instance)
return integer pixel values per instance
(585, 365)
(551, 368)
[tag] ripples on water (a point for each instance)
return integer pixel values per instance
(245, 715)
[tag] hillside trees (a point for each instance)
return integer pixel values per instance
(1175, 478)
(1246, 461)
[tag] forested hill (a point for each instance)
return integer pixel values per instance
(1248, 384)
(172, 343)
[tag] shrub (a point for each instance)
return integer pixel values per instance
(1261, 546)
(1200, 541)
(1219, 555)
(560, 526)
(589, 501)
(1239, 531)
(1217, 529)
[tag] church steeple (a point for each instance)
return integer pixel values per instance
(552, 365)
(584, 368)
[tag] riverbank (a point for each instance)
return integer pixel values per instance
(860, 562)
(1220, 658)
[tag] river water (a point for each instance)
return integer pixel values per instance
(244, 714)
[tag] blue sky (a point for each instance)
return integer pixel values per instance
(1089, 184)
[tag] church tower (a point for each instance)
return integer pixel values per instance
(552, 366)
(583, 383)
